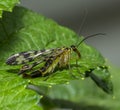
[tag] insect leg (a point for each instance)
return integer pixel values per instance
(79, 56)
(70, 68)
(80, 73)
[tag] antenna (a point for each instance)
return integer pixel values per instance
(83, 22)
(93, 35)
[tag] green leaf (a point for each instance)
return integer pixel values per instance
(81, 95)
(14, 96)
(101, 77)
(24, 30)
(7, 5)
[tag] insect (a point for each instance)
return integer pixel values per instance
(52, 58)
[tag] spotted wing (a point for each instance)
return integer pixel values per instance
(29, 56)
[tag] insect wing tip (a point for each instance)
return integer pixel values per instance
(11, 60)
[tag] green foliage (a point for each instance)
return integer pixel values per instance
(24, 30)
(7, 5)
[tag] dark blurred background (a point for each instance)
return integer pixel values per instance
(86, 17)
